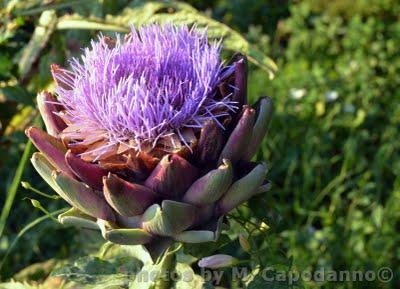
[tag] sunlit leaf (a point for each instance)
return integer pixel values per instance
(41, 35)
(175, 12)
(17, 285)
(100, 273)
(21, 119)
(188, 279)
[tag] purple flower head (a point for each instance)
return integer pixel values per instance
(157, 85)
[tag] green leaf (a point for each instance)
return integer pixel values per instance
(137, 252)
(23, 11)
(77, 22)
(17, 285)
(140, 13)
(188, 279)
(100, 273)
(6, 64)
(15, 93)
(20, 120)
(37, 271)
(41, 35)
(377, 216)
(156, 276)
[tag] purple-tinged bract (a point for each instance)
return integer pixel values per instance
(155, 85)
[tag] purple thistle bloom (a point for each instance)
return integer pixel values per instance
(156, 85)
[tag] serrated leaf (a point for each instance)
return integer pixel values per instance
(188, 279)
(155, 275)
(138, 252)
(98, 273)
(140, 13)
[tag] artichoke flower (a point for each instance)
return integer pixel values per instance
(150, 137)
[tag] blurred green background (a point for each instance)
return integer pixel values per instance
(333, 146)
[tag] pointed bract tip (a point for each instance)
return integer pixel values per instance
(51, 147)
(264, 109)
(128, 199)
(172, 176)
(239, 138)
(83, 197)
(28, 131)
(209, 188)
(217, 261)
(48, 108)
(243, 189)
(89, 173)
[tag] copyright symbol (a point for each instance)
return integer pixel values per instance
(385, 274)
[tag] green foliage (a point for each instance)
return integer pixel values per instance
(333, 144)
(17, 285)
(120, 268)
(334, 140)
(100, 273)
(141, 12)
